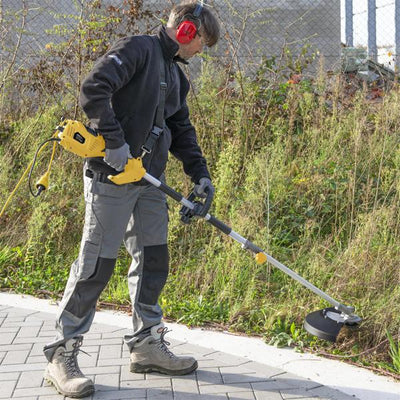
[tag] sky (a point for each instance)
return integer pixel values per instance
(385, 27)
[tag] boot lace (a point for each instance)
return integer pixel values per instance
(71, 359)
(162, 344)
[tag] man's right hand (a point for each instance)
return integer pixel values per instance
(204, 187)
(117, 158)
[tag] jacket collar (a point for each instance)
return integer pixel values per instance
(169, 47)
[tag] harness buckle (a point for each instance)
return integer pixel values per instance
(156, 131)
(151, 140)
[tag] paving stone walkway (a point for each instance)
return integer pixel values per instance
(220, 376)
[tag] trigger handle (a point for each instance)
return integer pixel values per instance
(133, 172)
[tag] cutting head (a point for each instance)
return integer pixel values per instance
(327, 323)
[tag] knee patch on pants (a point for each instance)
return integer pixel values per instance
(88, 290)
(155, 273)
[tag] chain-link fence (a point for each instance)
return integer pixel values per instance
(75, 31)
(251, 28)
(261, 26)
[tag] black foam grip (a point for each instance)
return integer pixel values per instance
(220, 225)
(170, 192)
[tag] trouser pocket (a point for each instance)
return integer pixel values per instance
(90, 246)
(88, 259)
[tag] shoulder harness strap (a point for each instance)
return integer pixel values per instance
(158, 126)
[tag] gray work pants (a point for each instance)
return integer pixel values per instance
(137, 216)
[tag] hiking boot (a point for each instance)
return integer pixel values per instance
(64, 373)
(151, 354)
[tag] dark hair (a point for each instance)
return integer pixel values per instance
(207, 21)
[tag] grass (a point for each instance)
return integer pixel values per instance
(306, 173)
(394, 352)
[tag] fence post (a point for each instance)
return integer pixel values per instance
(397, 32)
(372, 49)
(349, 22)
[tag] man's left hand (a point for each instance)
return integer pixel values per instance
(203, 188)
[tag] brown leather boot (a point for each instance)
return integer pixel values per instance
(151, 354)
(64, 373)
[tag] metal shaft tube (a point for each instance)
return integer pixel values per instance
(247, 244)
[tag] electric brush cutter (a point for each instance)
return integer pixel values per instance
(325, 324)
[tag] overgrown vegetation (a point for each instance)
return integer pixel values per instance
(308, 173)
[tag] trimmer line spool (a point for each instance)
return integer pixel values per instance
(327, 323)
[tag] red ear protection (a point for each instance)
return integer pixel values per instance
(186, 31)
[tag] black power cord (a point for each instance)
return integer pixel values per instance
(40, 187)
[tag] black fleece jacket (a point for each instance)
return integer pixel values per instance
(120, 97)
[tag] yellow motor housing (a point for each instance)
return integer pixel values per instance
(76, 138)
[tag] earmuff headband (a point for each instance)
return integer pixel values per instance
(190, 25)
(199, 8)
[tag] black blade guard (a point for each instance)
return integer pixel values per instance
(325, 324)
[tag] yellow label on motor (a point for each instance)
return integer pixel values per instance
(76, 138)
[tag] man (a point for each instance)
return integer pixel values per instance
(121, 97)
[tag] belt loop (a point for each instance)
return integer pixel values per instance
(89, 173)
